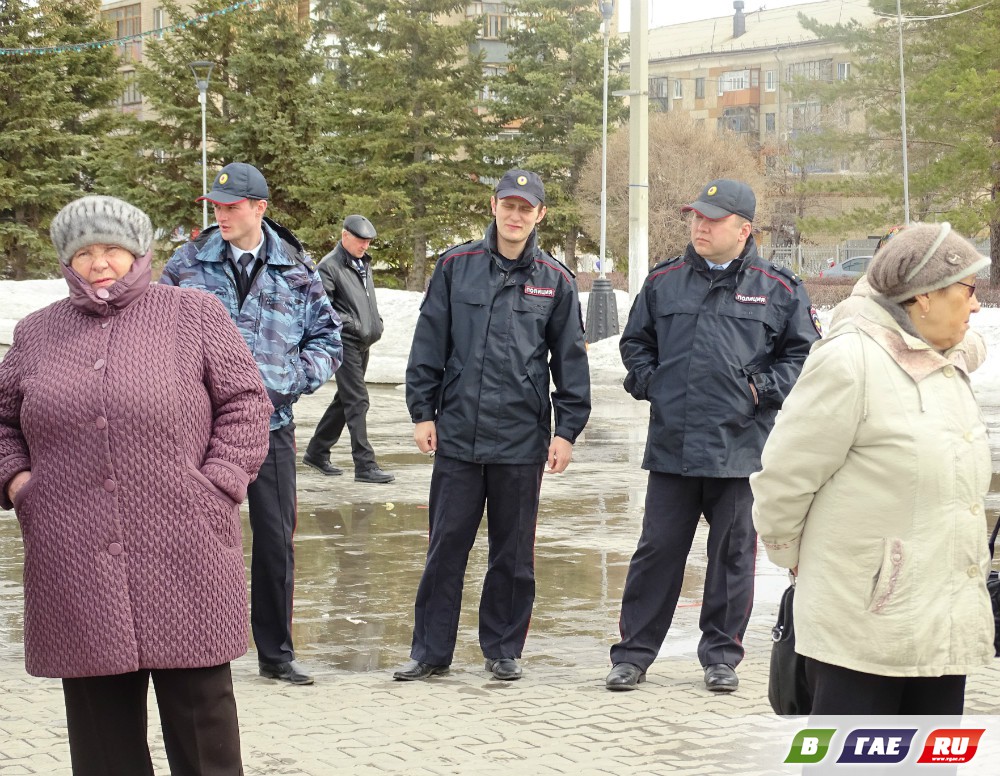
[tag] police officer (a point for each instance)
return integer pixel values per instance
(714, 342)
(347, 277)
(500, 319)
(260, 272)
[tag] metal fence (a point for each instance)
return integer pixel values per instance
(810, 260)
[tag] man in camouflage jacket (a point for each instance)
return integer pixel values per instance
(262, 276)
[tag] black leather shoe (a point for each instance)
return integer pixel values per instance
(416, 670)
(374, 474)
(721, 678)
(291, 672)
(624, 676)
(505, 669)
(322, 465)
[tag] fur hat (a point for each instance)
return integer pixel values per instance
(923, 258)
(97, 220)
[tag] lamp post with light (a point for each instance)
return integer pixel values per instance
(202, 72)
(602, 309)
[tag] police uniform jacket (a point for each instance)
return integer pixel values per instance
(352, 295)
(694, 342)
(286, 318)
(486, 345)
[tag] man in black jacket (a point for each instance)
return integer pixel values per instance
(346, 273)
(500, 318)
(715, 341)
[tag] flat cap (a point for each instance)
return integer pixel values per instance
(360, 227)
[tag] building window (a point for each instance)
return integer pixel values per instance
(658, 93)
(678, 89)
(131, 96)
(495, 18)
(490, 73)
(734, 81)
(843, 71)
(816, 70)
(699, 88)
(769, 123)
(126, 21)
(770, 81)
(159, 19)
(741, 120)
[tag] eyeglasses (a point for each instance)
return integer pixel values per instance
(971, 287)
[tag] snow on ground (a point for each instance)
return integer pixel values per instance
(401, 308)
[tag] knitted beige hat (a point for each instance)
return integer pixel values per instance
(100, 220)
(923, 258)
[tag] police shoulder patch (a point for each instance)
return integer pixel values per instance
(817, 324)
(787, 273)
(666, 262)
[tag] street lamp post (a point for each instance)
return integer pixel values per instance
(202, 72)
(602, 309)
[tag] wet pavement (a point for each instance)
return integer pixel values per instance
(359, 553)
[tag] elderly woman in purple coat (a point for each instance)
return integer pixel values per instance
(132, 418)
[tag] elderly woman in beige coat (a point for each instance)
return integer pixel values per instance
(872, 490)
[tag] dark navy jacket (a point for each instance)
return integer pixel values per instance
(694, 342)
(484, 348)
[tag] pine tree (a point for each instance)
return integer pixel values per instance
(404, 142)
(58, 107)
(262, 108)
(553, 92)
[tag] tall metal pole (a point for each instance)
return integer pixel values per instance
(638, 164)
(203, 99)
(902, 119)
(607, 9)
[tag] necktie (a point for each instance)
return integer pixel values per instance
(246, 262)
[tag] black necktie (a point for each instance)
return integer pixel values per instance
(243, 276)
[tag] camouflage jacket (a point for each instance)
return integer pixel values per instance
(286, 319)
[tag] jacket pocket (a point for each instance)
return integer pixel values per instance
(219, 513)
(887, 578)
(449, 385)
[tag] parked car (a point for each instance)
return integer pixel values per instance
(854, 267)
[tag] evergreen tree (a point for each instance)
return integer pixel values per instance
(262, 108)
(553, 92)
(404, 142)
(57, 109)
(952, 72)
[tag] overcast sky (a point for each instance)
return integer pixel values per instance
(662, 12)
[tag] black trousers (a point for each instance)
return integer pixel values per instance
(459, 491)
(271, 498)
(349, 407)
(106, 719)
(837, 690)
(674, 505)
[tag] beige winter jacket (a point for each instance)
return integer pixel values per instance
(873, 484)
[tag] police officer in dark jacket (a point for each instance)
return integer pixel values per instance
(715, 340)
(500, 318)
(346, 273)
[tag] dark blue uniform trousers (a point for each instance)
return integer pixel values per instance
(271, 498)
(656, 573)
(459, 491)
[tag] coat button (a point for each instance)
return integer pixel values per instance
(968, 436)
(974, 509)
(102, 293)
(973, 571)
(896, 557)
(948, 371)
(101, 423)
(105, 325)
(109, 485)
(115, 548)
(99, 364)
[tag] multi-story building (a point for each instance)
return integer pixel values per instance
(749, 73)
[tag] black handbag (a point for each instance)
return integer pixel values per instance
(993, 588)
(787, 689)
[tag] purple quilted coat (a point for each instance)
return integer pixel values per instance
(142, 418)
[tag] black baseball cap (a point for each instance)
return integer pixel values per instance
(236, 182)
(722, 198)
(521, 183)
(360, 227)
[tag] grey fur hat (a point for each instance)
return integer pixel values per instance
(96, 219)
(923, 258)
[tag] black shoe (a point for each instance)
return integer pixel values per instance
(721, 678)
(505, 669)
(291, 672)
(373, 474)
(416, 670)
(322, 465)
(624, 676)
